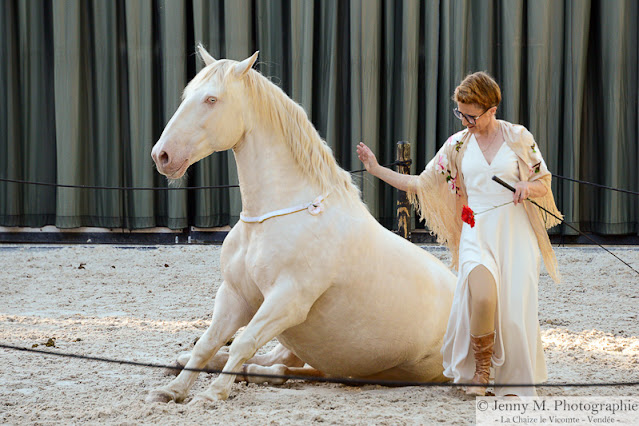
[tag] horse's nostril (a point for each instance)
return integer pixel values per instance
(164, 158)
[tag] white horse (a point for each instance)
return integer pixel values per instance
(307, 263)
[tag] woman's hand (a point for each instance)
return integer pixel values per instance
(367, 157)
(524, 190)
(391, 177)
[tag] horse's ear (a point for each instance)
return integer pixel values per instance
(206, 56)
(243, 67)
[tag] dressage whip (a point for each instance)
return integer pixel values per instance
(507, 186)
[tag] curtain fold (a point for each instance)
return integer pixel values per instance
(173, 68)
(86, 87)
(615, 57)
(140, 103)
(212, 206)
(27, 126)
(574, 71)
(71, 98)
(543, 107)
(365, 42)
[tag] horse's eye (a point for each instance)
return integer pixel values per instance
(211, 100)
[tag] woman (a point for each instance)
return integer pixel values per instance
(494, 312)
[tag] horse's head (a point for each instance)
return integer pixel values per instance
(209, 119)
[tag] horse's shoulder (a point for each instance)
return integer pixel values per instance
(232, 242)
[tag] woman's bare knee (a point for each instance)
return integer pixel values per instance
(482, 285)
(483, 300)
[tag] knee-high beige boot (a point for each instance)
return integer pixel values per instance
(483, 349)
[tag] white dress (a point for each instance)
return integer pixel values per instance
(503, 241)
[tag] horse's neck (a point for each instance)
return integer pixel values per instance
(269, 176)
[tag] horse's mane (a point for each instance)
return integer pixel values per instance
(312, 154)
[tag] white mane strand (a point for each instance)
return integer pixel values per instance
(312, 154)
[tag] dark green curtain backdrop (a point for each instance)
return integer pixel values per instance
(87, 86)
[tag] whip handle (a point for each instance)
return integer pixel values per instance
(502, 183)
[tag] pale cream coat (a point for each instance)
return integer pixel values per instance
(340, 293)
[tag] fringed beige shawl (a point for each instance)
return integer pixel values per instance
(439, 193)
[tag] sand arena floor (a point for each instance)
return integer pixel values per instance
(148, 304)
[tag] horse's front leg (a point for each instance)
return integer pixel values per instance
(285, 306)
(278, 355)
(229, 314)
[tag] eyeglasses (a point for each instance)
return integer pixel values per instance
(471, 119)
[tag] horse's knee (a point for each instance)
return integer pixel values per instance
(183, 358)
(174, 369)
(244, 346)
(178, 365)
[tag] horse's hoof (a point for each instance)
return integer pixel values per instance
(208, 397)
(174, 370)
(161, 395)
(199, 401)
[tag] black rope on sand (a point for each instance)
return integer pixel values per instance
(339, 380)
(504, 184)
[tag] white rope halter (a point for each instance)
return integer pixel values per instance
(313, 208)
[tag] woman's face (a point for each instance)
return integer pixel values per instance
(483, 117)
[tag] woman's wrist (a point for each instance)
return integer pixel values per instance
(374, 169)
(537, 189)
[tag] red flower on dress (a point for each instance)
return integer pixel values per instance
(468, 216)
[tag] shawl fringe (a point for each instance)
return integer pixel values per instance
(432, 202)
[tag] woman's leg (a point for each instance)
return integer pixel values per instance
(483, 303)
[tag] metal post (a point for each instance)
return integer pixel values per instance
(403, 206)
